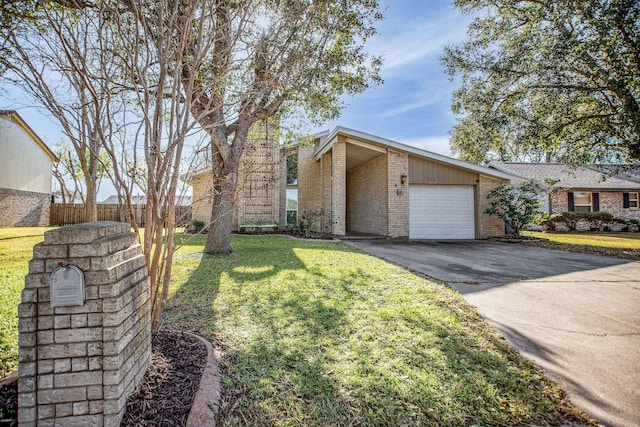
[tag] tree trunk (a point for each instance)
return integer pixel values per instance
(225, 162)
(225, 180)
(91, 207)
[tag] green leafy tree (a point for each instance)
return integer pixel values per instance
(516, 206)
(269, 58)
(548, 80)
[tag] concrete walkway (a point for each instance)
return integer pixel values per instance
(576, 316)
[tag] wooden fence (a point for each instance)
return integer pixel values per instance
(69, 214)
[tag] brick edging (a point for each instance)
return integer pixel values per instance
(206, 402)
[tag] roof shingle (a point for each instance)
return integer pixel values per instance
(584, 178)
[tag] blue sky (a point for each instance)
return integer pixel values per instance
(412, 106)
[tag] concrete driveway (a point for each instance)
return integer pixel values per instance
(576, 316)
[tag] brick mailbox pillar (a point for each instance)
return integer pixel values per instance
(83, 351)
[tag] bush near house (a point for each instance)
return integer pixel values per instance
(516, 206)
(587, 221)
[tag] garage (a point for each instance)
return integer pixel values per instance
(441, 212)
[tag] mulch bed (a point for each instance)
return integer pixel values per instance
(9, 404)
(165, 394)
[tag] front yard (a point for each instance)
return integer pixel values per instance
(16, 249)
(318, 333)
(619, 245)
(322, 334)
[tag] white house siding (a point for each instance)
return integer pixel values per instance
(24, 165)
(25, 177)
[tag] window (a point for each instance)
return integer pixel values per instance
(292, 169)
(630, 200)
(292, 189)
(292, 206)
(582, 202)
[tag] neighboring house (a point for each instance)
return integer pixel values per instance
(353, 182)
(25, 174)
(584, 189)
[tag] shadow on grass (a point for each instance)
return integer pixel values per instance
(340, 338)
(268, 370)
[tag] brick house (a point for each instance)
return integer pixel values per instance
(353, 182)
(25, 174)
(587, 189)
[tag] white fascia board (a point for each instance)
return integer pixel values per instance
(332, 138)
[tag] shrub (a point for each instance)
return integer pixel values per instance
(516, 206)
(310, 224)
(602, 220)
(196, 226)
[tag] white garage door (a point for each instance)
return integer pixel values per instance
(441, 212)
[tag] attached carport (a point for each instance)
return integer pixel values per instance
(382, 187)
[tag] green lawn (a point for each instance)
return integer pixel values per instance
(16, 249)
(316, 334)
(622, 245)
(322, 334)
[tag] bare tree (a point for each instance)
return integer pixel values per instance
(65, 170)
(223, 64)
(61, 64)
(157, 43)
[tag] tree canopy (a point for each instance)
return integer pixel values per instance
(270, 57)
(548, 80)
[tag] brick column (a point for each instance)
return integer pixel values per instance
(78, 364)
(398, 194)
(339, 187)
(489, 226)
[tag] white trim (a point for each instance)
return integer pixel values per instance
(332, 138)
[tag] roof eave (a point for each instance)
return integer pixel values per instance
(331, 139)
(15, 116)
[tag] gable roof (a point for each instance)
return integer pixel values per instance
(20, 121)
(580, 178)
(329, 139)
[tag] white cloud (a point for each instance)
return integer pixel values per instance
(435, 144)
(405, 108)
(413, 35)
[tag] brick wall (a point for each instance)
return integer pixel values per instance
(23, 208)
(258, 191)
(78, 364)
(367, 209)
(488, 226)
(282, 188)
(309, 182)
(326, 197)
(610, 201)
(398, 194)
